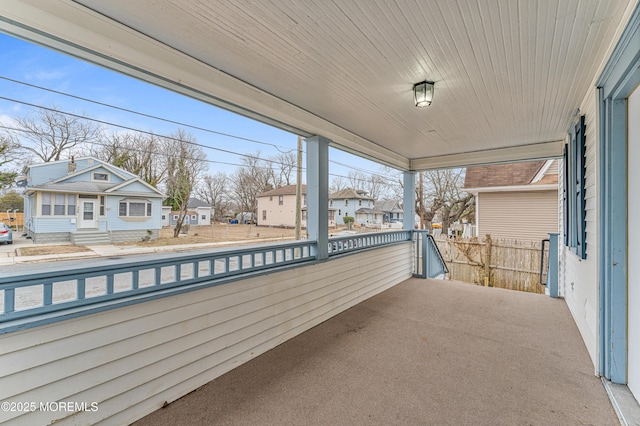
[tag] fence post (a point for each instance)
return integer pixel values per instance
(487, 263)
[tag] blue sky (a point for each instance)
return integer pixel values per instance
(29, 63)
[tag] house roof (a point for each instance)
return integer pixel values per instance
(349, 194)
(194, 203)
(509, 174)
(94, 188)
(283, 190)
(387, 206)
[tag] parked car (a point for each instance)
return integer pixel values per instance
(6, 234)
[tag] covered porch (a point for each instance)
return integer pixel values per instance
(422, 352)
(512, 82)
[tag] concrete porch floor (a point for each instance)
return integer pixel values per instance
(424, 352)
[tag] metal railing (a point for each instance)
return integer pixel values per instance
(71, 291)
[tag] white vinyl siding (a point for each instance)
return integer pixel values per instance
(525, 215)
(132, 359)
(578, 281)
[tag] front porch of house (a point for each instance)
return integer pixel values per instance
(421, 352)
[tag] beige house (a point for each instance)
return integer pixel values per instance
(515, 200)
(277, 207)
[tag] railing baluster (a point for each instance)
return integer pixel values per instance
(81, 288)
(47, 294)
(135, 279)
(9, 300)
(157, 275)
(110, 284)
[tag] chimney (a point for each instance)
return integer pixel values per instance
(71, 167)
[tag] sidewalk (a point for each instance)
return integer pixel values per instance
(9, 257)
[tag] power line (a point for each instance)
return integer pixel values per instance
(155, 117)
(107, 123)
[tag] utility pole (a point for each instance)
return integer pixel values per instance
(299, 190)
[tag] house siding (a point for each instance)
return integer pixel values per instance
(578, 277)
(277, 215)
(529, 215)
(132, 359)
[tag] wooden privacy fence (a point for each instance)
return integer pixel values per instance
(12, 218)
(510, 264)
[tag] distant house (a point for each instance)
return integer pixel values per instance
(390, 210)
(515, 200)
(89, 201)
(277, 207)
(355, 203)
(198, 213)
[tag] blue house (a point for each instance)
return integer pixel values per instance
(88, 201)
(355, 203)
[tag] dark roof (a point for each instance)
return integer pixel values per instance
(509, 174)
(349, 194)
(283, 190)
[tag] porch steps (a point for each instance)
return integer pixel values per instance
(90, 238)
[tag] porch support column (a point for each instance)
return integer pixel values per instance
(409, 200)
(318, 193)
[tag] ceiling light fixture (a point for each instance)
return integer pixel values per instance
(423, 93)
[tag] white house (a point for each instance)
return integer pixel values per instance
(198, 213)
(89, 201)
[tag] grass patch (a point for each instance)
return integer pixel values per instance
(38, 251)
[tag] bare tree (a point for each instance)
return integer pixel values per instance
(8, 155)
(445, 186)
(140, 154)
(284, 165)
(48, 134)
(214, 189)
(337, 184)
(185, 164)
(249, 181)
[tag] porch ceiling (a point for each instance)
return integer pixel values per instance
(508, 75)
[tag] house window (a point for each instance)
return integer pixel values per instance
(59, 204)
(346, 202)
(71, 205)
(100, 177)
(164, 217)
(271, 198)
(359, 202)
(574, 201)
(133, 208)
(330, 203)
(194, 217)
(280, 200)
(175, 217)
(46, 204)
(264, 215)
(102, 209)
(203, 217)
(304, 215)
